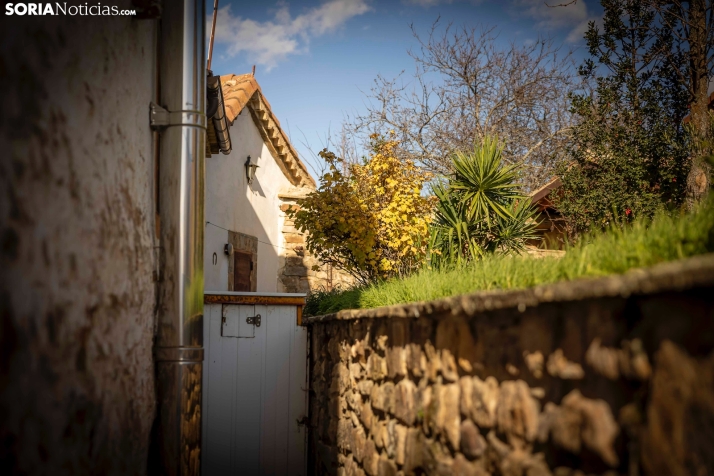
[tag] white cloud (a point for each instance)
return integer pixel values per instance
(433, 3)
(426, 3)
(573, 17)
(269, 42)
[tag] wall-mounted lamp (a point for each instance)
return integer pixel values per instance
(250, 170)
(228, 249)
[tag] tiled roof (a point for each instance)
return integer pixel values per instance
(243, 90)
(540, 196)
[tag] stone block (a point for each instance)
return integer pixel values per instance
(436, 459)
(376, 367)
(365, 386)
(472, 443)
(371, 459)
(295, 271)
(416, 360)
(405, 401)
(559, 366)
(447, 417)
(413, 451)
(466, 397)
(386, 467)
(380, 433)
(400, 449)
(344, 430)
(517, 413)
(358, 443)
(341, 381)
(681, 385)
(366, 416)
(484, 401)
(295, 238)
(390, 444)
(382, 397)
(463, 467)
(433, 362)
(448, 366)
(396, 362)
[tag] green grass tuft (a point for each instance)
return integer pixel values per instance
(642, 244)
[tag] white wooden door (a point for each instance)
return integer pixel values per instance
(254, 381)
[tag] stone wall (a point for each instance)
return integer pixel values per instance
(611, 376)
(296, 274)
(77, 258)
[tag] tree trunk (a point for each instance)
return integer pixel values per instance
(698, 178)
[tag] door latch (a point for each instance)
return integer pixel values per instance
(255, 320)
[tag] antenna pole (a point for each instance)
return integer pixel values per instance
(213, 34)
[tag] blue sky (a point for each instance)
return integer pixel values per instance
(315, 59)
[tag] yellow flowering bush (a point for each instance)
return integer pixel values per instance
(370, 219)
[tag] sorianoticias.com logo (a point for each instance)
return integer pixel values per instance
(61, 8)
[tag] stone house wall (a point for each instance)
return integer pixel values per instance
(77, 243)
(611, 376)
(296, 274)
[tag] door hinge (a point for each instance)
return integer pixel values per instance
(255, 320)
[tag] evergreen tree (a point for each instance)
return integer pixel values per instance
(629, 149)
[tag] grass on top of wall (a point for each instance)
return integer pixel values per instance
(615, 251)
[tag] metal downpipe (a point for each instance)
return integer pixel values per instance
(178, 350)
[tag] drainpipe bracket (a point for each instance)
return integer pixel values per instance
(160, 118)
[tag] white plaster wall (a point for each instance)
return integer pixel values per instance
(77, 292)
(251, 209)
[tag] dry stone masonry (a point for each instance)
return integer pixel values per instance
(612, 376)
(296, 274)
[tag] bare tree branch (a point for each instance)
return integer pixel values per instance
(465, 87)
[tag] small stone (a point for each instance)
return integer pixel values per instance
(604, 360)
(354, 401)
(358, 443)
(382, 397)
(413, 451)
(405, 408)
(380, 434)
(376, 367)
(512, 370)
(386, 467)
(559, 366)
(534, 362)
(397, 362)
(415, 360)
(341, 381)
(517, 413)
(448, 366)
(447, 415)
(344, 430)
(581, 421)
(465, 365)
(433, 362)
(472, 443)
(466, 396)
(463, 467)
(538, 392)
(366, 416)
(356, 371)
(365, 387)
(484, 401)
(391, 442)
(382, 342)
(371, 459)
(436, 460)
(401, 444)
(599, 429)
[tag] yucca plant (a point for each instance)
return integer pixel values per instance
(480, 209)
